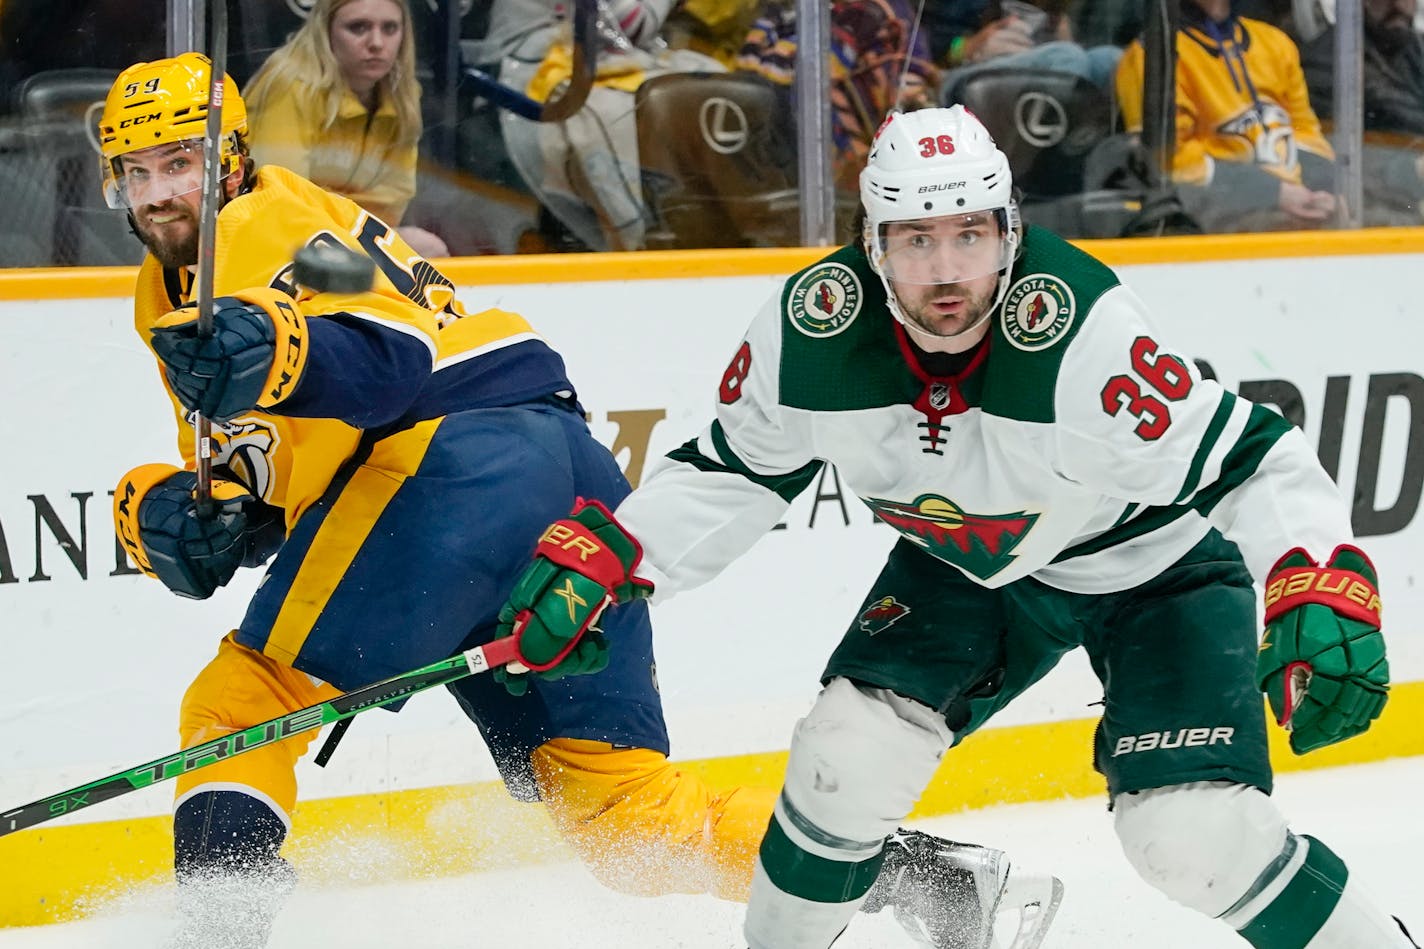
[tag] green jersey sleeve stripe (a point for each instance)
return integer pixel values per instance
(785, 486)
(1263, 429)
(1127, 512)
(1208, 442)
(1148, 521)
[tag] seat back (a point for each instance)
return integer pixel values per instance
(1045, 122)
(27, 193)
(59, 94)
(60, 110)
(718, 159)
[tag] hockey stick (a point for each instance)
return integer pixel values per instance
(471, 662)
(570, 96)
(207, 237)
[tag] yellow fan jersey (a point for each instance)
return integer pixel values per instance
(385, 359)
(1241, 97)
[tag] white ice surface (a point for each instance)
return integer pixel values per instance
(1368, 814)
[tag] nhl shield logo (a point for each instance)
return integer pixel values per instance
(824, 300)
(1038, 311)
(882, 614)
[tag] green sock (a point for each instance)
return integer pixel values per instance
(1293, 918)
(814, 878)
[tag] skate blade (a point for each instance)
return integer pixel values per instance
(1035, 898)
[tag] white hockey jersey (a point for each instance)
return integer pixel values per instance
(1077, 447)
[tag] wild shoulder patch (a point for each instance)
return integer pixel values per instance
(825, 300)
(1038, 311)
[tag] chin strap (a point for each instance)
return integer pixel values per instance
(933, 342)
(1011, 237)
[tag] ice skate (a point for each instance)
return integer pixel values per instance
(230, 911)
(950, 895)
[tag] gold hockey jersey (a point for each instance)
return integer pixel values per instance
(1241, 97)
(383, 359)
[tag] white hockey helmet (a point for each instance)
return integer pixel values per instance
(930, 164)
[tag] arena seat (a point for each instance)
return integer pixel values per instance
(58, 112)
(27, 193)
(1049, 124)
(718, 156)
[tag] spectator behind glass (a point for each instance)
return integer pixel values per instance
(585, 170)
(873, 70)
(1393, 73)
(339, 104)
(1249, 154)
(969, 35)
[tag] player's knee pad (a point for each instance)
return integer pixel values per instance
(859, 762)
(222, 831)
(1205, 845)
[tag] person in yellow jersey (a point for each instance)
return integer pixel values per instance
(393, 460)
(1250, 154)
(339, 103)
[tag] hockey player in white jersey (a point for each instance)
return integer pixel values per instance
(1060, 477)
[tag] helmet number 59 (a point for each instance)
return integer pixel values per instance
(149, 88)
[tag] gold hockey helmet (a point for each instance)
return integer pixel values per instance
(163, 102)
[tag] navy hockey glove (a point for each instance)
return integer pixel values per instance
(157, 520)
(583, 564)
(253, 359)
(1322, 660)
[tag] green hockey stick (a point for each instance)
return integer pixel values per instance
(471, 662)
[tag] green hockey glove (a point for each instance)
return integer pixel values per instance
(583, 564)
(1322, 660)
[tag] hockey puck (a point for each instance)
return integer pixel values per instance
(332, 268)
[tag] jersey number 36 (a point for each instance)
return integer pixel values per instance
(1165, 374)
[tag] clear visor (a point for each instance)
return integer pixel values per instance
(155, 175)
(944, 250)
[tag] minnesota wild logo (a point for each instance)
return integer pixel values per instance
(824, 300)
(979, 544)
(1038, 310)
(882, 614)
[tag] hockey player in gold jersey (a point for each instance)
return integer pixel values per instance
(393, 460)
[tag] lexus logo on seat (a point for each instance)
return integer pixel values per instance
(1041, 119)
(724, 125)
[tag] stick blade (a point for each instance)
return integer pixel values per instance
(333, 268)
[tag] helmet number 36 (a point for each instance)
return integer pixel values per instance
(933, 145)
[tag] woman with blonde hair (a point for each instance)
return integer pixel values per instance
(339, 104)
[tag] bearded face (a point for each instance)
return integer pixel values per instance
(1389, 24)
